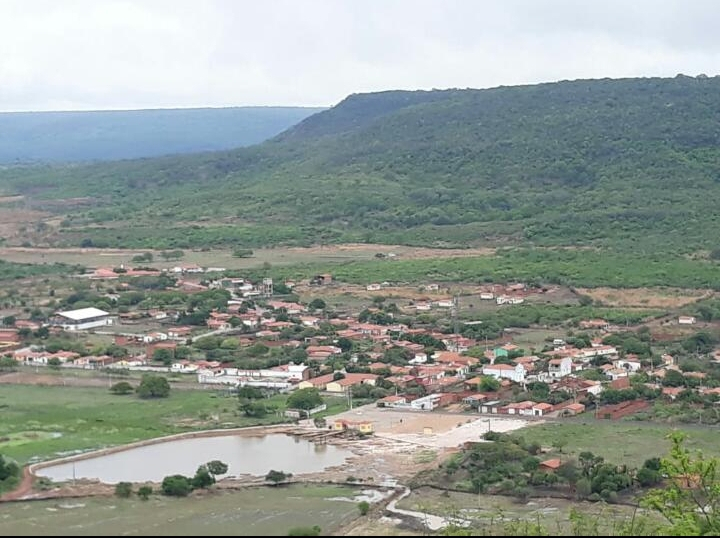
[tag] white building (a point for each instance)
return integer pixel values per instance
(506, 371)
(628, 364)
(560, 367)
(373, 287)
(686, 320)
(487, 295)
(84, 318)
(426, 403)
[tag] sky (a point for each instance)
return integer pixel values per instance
(126, 54)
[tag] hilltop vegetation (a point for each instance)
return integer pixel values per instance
(127, 134)
(632, 165)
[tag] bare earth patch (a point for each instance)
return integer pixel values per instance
(646, 297)
(103, 257)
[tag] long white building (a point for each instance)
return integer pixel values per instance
(82, 319)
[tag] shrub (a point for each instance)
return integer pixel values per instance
(363, 507)
(176, 485)
(144, 492)
(305, 531)
(123, 490)
(121, 388)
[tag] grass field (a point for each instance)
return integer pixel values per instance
(493, 514)
(618, 441)
(251, 512)
(223, 258)
(44, 422)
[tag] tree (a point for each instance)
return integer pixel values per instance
(690, 500)
(363, 507)
(122, 388)
(153, 386)
(54, 363)
(583, 488)
(164, 355)
(203, 478)
(277, 476)
(559, 443)
(145, 257)
(144, 492)
(172, 254)
(123, 490)
(9, 321)
(673, 378)
(253, 409)
(568, 471)
(8, 469)
(7, 363)
(345, 344)
(217, 467)
(305, 399)
(249, 393)
(242, 253)
(317, 304)
(488, 384)
(176, 485)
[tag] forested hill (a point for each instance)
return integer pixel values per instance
(127, 134)
(632, 164)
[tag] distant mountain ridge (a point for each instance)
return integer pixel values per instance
(27, 137)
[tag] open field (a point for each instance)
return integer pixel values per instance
(97, 257)
(646, 297)
(495, 514)
(617, 441)
(435, 430)
(264, 511)
(87, 418)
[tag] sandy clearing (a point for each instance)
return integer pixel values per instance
(646, 297)
(445, 430)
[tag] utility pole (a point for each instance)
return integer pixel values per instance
(455, 308)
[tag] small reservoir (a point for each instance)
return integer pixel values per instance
(243, 453)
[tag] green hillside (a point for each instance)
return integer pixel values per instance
(127, 134)
(631, 164)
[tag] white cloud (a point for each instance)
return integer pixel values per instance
(89, 54)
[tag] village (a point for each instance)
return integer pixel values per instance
(215, 331)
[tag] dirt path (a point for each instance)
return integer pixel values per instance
(434, 523)
(23, 489)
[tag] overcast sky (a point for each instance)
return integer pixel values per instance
(107, 54)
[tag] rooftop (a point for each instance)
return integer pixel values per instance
(83, 313)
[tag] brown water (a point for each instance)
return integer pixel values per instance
(244, 454)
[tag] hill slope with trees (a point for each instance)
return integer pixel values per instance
(631, 164)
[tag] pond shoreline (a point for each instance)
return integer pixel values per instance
(24, 489)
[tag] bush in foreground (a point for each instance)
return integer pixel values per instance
(176, 485)
(305, 531)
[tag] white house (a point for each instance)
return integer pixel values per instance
(373, 287)
(184, 367)
(84, 318)
(487, 295)
(632, 365)
(560, 367)
(506, 299)
(445, 303)
(506, 371)
(686, 320)
(426, 403)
